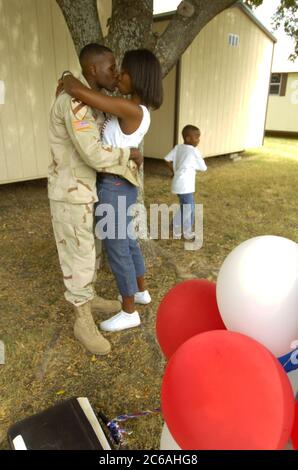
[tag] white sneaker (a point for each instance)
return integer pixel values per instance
(142, 298)
(121, 321)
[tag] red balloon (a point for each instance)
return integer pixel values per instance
(187, 309)
(225, 391)
(294, 435)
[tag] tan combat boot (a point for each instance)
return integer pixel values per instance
(87, 333)
(101, 305)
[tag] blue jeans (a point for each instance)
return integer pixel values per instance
(123, 251)
(186, 214)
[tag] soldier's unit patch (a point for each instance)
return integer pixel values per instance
(79, 109)
(81, 125)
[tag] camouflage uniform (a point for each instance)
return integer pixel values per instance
(77, 154)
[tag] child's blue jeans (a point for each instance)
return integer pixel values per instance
(186, 214)
(124, 255)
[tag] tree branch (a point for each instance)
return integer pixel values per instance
(82, 21)
(190, 18)
(286, 16)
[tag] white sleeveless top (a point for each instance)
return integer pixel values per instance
(113, 135)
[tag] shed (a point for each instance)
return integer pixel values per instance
(220, 85)
(282, 116)
(36, 47)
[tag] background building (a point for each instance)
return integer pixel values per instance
(220, 84)
(282, 116)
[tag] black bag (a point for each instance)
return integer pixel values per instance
(69, 425)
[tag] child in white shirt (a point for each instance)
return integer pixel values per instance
(184, 160)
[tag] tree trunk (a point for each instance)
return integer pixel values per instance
(130, 26)
(82, 20)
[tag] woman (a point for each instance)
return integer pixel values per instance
(141, 79)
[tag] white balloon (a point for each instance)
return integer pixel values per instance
(167, 442)
(257, 291)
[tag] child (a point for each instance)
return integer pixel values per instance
(184, 160)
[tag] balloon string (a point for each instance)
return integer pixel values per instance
(287, 361)
(117, 433)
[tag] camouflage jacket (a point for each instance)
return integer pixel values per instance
(77, 152)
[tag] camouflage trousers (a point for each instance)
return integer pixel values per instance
(78, 249)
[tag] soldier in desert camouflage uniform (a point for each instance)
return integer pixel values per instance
(77, 154)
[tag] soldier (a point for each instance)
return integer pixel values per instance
(77, 154)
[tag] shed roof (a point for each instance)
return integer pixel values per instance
(253, 17)
(239, 4)
(285, 67)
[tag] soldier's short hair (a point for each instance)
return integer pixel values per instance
(92, 49)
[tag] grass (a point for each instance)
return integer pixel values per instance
(44, 363)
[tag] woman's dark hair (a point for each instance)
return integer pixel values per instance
(145, 73)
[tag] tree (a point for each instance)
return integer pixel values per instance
(130, 25)
(286, 15)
